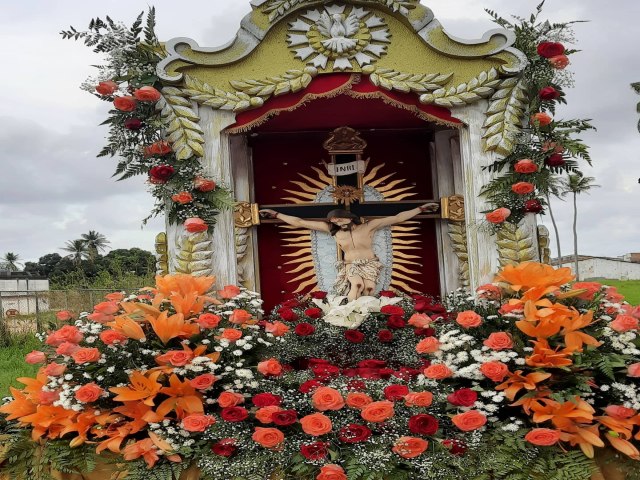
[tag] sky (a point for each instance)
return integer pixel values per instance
(53, 188)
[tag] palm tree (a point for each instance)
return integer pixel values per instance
(576, 184)
(11, 261)
(96, 242)
(553, 187)
(78, 250)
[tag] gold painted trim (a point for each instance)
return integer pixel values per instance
(452, 208)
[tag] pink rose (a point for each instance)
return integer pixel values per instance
(634, 370)
(35, 357)
(624, 323)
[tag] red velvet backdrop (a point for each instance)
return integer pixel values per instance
(291, 143)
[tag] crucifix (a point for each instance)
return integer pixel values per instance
(358, 268)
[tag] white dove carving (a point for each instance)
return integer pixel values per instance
(337, 31)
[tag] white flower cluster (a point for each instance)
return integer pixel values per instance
(351, 314)
(629, 394)
(623, 342)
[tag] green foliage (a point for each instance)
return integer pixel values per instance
(163, 470)
(12, 364)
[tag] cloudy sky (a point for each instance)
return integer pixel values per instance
(53, 188)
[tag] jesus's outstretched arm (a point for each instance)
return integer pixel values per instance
(402, 216)
(295, 221)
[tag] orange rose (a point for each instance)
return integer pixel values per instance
(542, 119)
(270, 367)
(265, 414)
(182, 198)
(240, 317)
(68, 333)
(378, 411)
(157, 149)
(67, 349)
(88, 393)
(514, 309)
(316, 424)
(410, 447)
(633, 370)
(107, 88)
(325, 398)
(195, 225)
(331, 472)
(418, 399)
(277, 329)
(523, 188)
(559, 62)
(46, 397)
(591, 289)
(229, 291)
(437, 371)
(268, 437)
(526, 165)
(420, 320)
(197, 422)
(498, 216)
(496, 371)
(147, 94)
(499, 341)
(203, 382)
(231, 334)
(177, 358)
(428, 345)
(543, 437)
(64, 315)
(624, 323)
(619, 412)
(114, 297)
(469, 421)
(125, 104)
(230, 399)
(358, 400)
(469, 319)
(110, 337)
(86, 355)
(489, 292)
(35, 357)
(204, 184)
(54, 369)
(208, 320)
(107, 308)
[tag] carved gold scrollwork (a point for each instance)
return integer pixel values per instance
(543, 244)
(453, 208)
(194, 254)
(246, 214)
(162, 254)
(515, 244)
(345, 140)
(458, 235)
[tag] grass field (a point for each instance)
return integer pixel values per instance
(629, 288)
(12, 364)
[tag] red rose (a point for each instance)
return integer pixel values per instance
(287, 314)
(396, 392)
(354, 433)
(354, 336)
(387, 293)
(234, 414)
(533, 206)
(455, 447)
(285, 418)
(549, 93)
(309, 386)
(550, 49)
(319, 295)
(266, 400)
(356, 385)
(395, 322)
(372, 363)
(133, 124)
(125, 104)
(160, 149)
(555, 160)
(325, 370)
(313, 312)
(465, 397)
(385, 336)
(315, 451)
(423, 424)
(204, 184)
(161, 173)
(225, 448)
(107, 88)
(424, 332)
(392, 310)
(291, 303)
(304, 329)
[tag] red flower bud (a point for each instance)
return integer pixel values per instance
(549, 93)
(555, 160)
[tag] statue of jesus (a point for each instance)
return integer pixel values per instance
(358, 272)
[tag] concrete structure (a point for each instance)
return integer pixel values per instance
(19, 291)
(605, 267)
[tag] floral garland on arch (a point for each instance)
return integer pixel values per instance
(530, 376)
(546, 147)
(152, 129)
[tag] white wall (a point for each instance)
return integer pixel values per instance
(603, 268)
(23, 284)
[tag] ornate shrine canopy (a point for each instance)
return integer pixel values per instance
(285, 46)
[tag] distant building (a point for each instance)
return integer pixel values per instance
(18, 293)
(625, 267)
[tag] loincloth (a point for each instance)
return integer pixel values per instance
(367, 269)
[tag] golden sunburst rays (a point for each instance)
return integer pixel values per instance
(393, 191)
(301, 259)
(308, 190)
(406, 268)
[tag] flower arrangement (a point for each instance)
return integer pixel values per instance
(151, 130)
(548, 146)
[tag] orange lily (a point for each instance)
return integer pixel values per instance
(49, 418)
(167, 327)
(517, 382)
(33, 386)
(545, 356)
(143, 448)
(585, 437)
(537, 399)
(183, 398)
(184, 284)
(565, 415)
(140, 413)
(574, 339)
(542, 323)
(141, 388)
(116, 434)
(531, 274)
(128, 327)
(20, 406)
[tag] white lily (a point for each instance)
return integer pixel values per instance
(352, 314)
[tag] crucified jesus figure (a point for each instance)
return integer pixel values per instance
(359, 271)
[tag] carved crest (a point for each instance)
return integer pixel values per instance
(345, 140)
